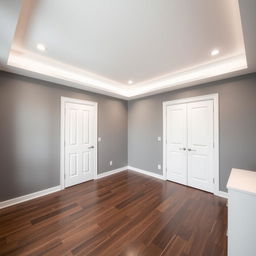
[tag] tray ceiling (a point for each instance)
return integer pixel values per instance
(128, 48)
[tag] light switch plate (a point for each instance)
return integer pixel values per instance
(159, 138)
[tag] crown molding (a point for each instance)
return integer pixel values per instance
(51, 70)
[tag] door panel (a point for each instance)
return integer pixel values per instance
(176, 154)
(86, 161)
(85, 130)
(198, 167)
(73, 164)
(79, 137)
(200, 145)
(73, 127)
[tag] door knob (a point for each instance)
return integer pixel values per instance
(190, 149)
(91, 147)
(183, 149)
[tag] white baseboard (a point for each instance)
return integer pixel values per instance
(221, 194)
(25, 198)
(48, 191)
(161, 177)
(105, 174)
(154, 175)
(37, 194)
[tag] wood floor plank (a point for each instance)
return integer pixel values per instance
(175, 247)
(52, 214)
(123, 214)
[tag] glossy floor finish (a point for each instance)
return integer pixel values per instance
(125, 214)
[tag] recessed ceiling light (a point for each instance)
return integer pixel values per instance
(130, 82)
(40, 47)
(215, 52)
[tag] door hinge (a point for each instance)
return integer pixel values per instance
(213, 180)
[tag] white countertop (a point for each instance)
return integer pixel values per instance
(242, 180)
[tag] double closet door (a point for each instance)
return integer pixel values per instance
(190, 138)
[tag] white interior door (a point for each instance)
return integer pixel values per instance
(189, 144)
(176, 141)
(200, 145)
(79, 150)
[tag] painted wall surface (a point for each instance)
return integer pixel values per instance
(30, 130)
(237, 125)
(30, 133)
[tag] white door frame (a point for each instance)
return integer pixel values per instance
(215, 98)
(65, 100)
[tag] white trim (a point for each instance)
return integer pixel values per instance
(65, 100)
(48, 191)
(45, 68)
(28, 197)
(215, 98)
(192, 99)
(221, 194)
(161, 177)
(105, 174)
(151, 174)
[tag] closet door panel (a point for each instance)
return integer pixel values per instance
(176, 154)
(200, 144)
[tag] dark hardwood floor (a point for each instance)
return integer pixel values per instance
(125, 214)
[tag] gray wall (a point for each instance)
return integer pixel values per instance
(30, 130)
(237, 107)
(30, 133)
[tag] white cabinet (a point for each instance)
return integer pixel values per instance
(242, 213)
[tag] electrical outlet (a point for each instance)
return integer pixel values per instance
(110, 163)
(159, 167)
(99, 139)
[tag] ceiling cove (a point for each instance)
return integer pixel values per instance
(127, 49)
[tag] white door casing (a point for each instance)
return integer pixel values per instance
(200, 145)
(79, 141)
(176, 143)
(202, 148)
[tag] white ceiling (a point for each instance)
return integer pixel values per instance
(100, 45)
